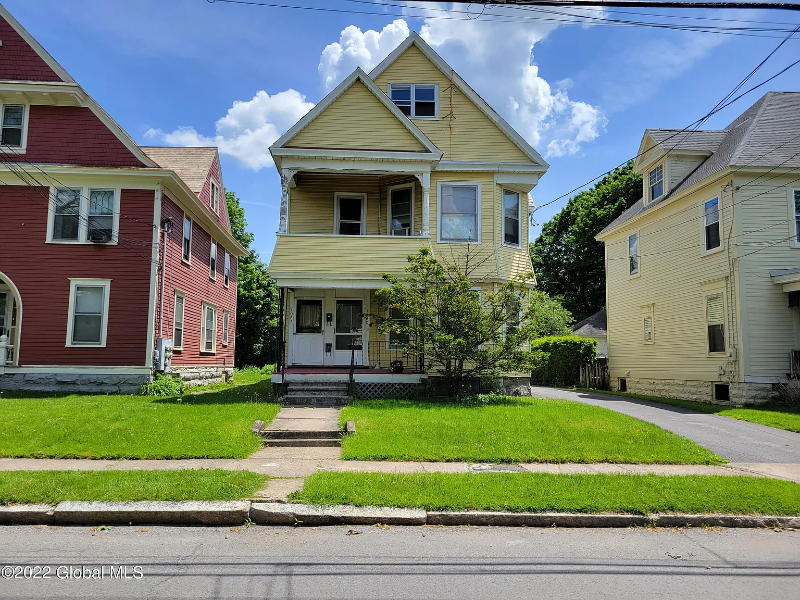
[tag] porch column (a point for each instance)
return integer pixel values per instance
(425, 181)
(3, 353)
(286, 180)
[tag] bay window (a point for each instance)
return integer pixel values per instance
(459, 212)
(511, 218)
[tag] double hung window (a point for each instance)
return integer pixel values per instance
(177, 327)
(459, 206)
(715, 323)
(88, 312)
(209, 332)
(796, 206)
(401, 211)
(212, 261)
(83, 215)
(13, 125)
(214, 196)
(711, 224)
(657, 183)
(350, 214)
(225, 324)
(415, 100)
(633, 253)
(396, 339)
(511, 218)
(187, 239)
(227, 269)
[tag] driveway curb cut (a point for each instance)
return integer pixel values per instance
(211, 513)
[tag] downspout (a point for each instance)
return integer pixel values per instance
(166, 227)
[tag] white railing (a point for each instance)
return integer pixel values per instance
(4, 347)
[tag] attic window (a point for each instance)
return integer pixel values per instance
(214, 197)
(657, 183)
(416, 100)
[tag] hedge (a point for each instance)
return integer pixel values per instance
(557, 360)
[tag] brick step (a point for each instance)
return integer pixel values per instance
(285, 434)
(306, 443)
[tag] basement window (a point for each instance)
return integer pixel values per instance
(722, 392)
(623, 385)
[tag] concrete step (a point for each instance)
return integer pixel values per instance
(316, 391)
(306, 443)
(291, 400)
(284, 434)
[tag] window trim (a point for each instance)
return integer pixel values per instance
(226, 321)
(226, 277)
(213, 252)
(413, 86)
(336, 197)
(710, 294)
(26, 109)
(638, 272)
(663, 167)
(184, 260)
(88, 282)
(706, 250)
(389, 191)
(203, 307)
(83, 213)
(794, 227)
(212, 197)
(478, 209)
(182, 294)
(503, 217)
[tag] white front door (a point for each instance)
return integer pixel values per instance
(307, 338)
(349, 332)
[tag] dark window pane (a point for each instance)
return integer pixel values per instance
(65, 227)
(349, 209)
(13, 115)
(716, 338)
(348, 316)
(348, 342)
(12, 136)
(87, 329)
(405, 109)
(427, 94)
(401, 93)
(424, 109)
(309, 316)
(512, 231)
(712, 236)
(349, 228)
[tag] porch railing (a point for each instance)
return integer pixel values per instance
(381, 354)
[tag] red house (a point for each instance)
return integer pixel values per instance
(112, 256)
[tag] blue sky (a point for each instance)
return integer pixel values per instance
(171, 71)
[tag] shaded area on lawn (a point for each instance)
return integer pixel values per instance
(51, 487)
(540, 492)
(770, 415)
(512, 430)
(209, 422)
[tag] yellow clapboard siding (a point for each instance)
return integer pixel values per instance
(356, 120)
(471, 135)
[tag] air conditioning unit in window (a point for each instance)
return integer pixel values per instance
(100, 236)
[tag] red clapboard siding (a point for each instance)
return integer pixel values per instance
(195, 282)
(42, 271)
(205, 194)
(19, 61)
(73, 135)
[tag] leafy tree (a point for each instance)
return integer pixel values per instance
(548, 317)
(257, 302)
(460, 334)
(568, 261)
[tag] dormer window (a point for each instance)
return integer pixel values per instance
(416, 100)
(657, 183)
(13, 124)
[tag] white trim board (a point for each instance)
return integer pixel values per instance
(448, 71)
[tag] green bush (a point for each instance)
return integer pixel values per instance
(557, 360)
(163, 386)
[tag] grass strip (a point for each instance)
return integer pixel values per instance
(767, 414)
(542, 492)
(51, 487)
(210, 424)
(516, 430)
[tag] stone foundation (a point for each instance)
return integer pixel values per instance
(74, 382)
(205, 375)
(697, 391)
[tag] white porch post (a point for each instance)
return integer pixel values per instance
(425, 181)
(3, 353)
(286, 180)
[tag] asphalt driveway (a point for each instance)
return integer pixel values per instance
(737, 441)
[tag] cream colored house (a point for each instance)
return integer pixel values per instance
(405, 157)
(703, 273)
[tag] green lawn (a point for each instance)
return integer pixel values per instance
(518, 430)
(51, 487)
(767, 414)
(211, 423)
(540, 492)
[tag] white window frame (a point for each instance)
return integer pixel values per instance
(183, 239)
(212, 261)
(706, 249)
(650, 197)
(226, 279)
(182, 295)
(478, 208)
(503, 217)
(206, 306)
(794, 219)
(226, 320)
(73, 286)
(363, 197)
(26, 109)
(413, 87)
(213, 195)
(83, 213)
(412, 186)
(638, 254)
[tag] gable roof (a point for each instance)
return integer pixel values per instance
(37, 48)
(415, 40)
(765, 135)
(357, 75)
(192, 164)
(592, 326)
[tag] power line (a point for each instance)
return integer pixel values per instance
(639, 4)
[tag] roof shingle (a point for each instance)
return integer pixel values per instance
(191, 164)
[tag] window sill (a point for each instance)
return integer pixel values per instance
(84, 345)
(462, 242)
(713, 251)
(212, 279)
(514, 246)
(425, 118)
(207, 352)
(81, 243)
(717, 354)
(188, 263)
(635, 276)
(12, 150)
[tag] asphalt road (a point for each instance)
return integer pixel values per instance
(738, 441)
(406, 562)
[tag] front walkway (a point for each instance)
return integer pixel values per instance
(737, 441)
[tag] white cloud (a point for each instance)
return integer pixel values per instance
(356, 48)
(247, 130)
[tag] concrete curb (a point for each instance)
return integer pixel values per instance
(208, 513)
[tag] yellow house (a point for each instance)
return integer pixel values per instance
(703, 273)
(405, 157)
